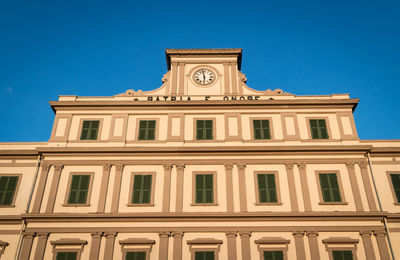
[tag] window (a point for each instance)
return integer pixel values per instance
(273, 255)
(90, 129)
(67, 256)
(341, 248)
(204, 188)
(342, 255)
(204, 255)
(261, 129)
(318, 129)
(267, 188)
(8, 186)
(330, 187)
(395, 178)
(79, 189)
(141, 193)
(147, 130)
(135, 256)
(204, 129)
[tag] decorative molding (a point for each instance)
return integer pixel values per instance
(137, 241)
(245, 233)
(362, 164)
(272, 240)
(58, 167)
(228, 166)
(298, 233)
(231, 234)
(301, 165)
(241, 166)
(107, 166)
(167, 166)
(204, 241)
(276, 92)
(289, 165)
(350, 165)
(312, 233)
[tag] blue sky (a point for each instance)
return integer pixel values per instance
(98, 48)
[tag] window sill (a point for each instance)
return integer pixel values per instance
(204, 141)
(7, 206)
(396, 203)
(88, 141)
(268, 203)
(140, 205)
(262, 140)
(76, 205)
(204, 204)
(321, 140)
(146, 141)
(333, 203)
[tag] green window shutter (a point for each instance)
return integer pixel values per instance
(273, 255)
(267, 188)
(204, 255)
(330, 187)
(79, 189)
(147, 129)
(67, 256)
(141, 189)
(204, 188)
(318, 129)
(90, 129)
(135, 256)
(8, 185)
(204, 130)
(342, 255)
(261, 129)
(396, 185)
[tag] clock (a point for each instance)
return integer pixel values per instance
(204, 76)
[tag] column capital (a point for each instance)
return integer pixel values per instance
(231, 234)
(362, 164)
(312, 233)
(365, 233)
(164, 234)
(45, 166)
(167, 166)
(350, 165)
(58, 167)
(119, 166)
(42, 234)
(228, 166)
(289, 165)
(301, 165)
(106, 166)
(180, 166)
(174, 64)
(177, 234)
(298, 233)
(241, 166)
(110, 234)
(29, 234)
(380, 233)
(245, 233)
(97, 234)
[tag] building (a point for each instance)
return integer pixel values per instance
(202, 168)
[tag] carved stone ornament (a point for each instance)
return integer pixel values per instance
(242, 77)
(241, 166)
(276, 92)
(350, 164)
(167, 166)
(289, 165)
(245, 233)
(180, 167)
(362, 164)
(131, 92)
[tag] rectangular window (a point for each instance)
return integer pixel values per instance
(342, 255)
(147, 130)
(204, 255)
(267, 188)
(396, 185)
(141, 189)
(90, 129)
(79, 189)
(273, 255)
(261, 129)
(8, 185)
(135, 256)
(330, 187)
(67, 256)
(318, 129)
(204, 129)
(204, 188)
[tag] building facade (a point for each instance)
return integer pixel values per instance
(202, 168)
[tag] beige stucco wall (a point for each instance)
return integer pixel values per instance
(384, 186)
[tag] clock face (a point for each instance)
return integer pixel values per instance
(204, 76)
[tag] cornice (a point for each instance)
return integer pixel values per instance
(202, 104)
